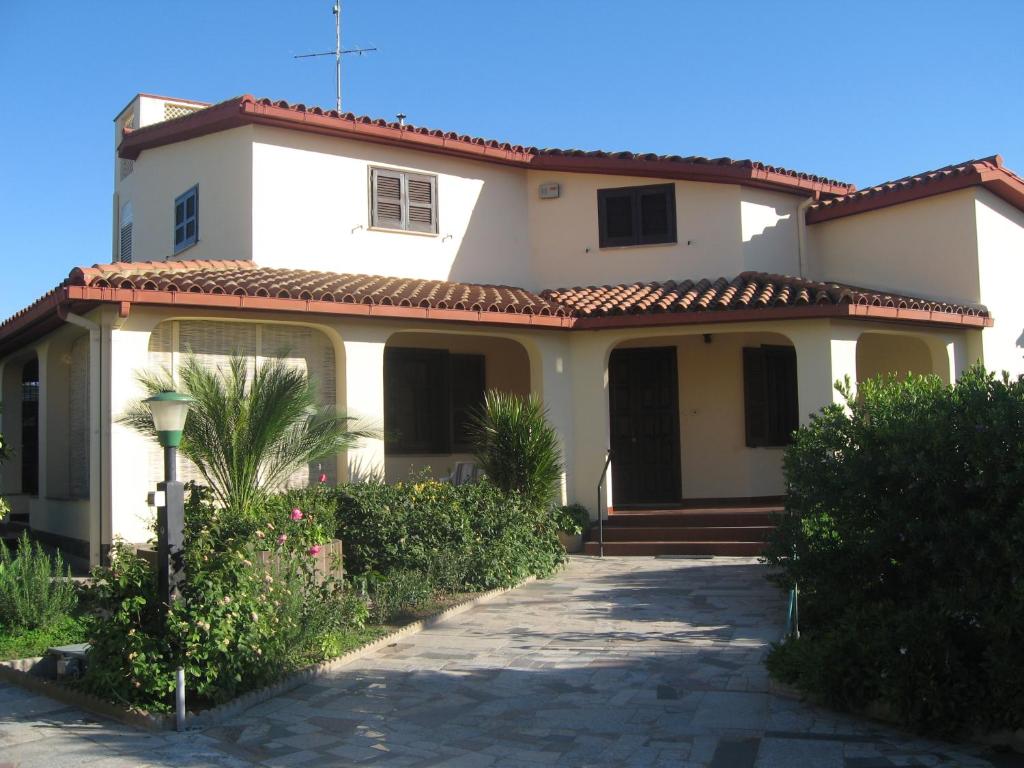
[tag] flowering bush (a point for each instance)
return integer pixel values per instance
(240, 624)
(904, 529)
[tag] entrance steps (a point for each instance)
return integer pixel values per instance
(727, 531)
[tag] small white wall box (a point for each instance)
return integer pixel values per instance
(550, 190)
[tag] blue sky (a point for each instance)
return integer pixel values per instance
(862, 92)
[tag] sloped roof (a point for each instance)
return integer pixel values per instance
(988, 172)
(241, 286)
(247, 110)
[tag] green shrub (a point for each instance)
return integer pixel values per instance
(572, 519)
(516, 447)
(35, 589)
(396, 594)
(904, 528)
(27, 643)
(240, 624)
(464, 538)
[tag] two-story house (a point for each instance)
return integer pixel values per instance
(686, 313)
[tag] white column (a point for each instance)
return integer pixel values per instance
(826, 353)
(364, 400)
(551, 380)
(591, 434)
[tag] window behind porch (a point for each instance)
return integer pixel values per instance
(770, 395)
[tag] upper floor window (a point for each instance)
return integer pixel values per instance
(400, 200)
(186, 219)
(636, 215)
(770, 395)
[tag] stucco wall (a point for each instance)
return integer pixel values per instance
(311, 210)
(221, 165)
(1001, 268)
(882, 354)
(722, 230)
(925, 248)
(507, 367)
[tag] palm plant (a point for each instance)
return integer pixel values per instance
(517, 447)
(247, 434)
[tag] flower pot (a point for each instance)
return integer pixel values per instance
(571, 542)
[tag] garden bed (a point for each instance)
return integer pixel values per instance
(28, 672)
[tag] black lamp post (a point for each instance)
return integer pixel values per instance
(170, 409)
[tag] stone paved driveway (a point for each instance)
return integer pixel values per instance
(622, 661)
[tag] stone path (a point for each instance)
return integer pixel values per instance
(615, 662)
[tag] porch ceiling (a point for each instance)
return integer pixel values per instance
(242, 285)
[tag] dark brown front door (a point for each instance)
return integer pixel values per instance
(644, 406)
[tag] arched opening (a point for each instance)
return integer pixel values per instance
(30, 428)
(433, 382)
(214, 342)
(892, 354)
(700, 419)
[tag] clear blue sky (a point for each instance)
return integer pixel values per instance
(860, 91)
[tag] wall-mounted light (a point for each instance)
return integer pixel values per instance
(707, 338)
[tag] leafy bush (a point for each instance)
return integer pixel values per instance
(239, 625)
(572, 519)
(516, 447)
(464, 538)
(904, 528)
(35, 589)
(25, 643)
(396, 594)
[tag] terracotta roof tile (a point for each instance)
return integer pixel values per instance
(987, 171)
(238, 285)
(749, 290)
(249, 109)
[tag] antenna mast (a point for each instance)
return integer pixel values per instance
(337, 53)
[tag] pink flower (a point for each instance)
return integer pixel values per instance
(296, 514)
(282, 538)
(323, 477)
(314, 550)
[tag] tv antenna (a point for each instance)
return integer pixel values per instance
(337, 53)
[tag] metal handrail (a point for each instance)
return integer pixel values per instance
(600, 513)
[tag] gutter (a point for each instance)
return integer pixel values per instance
(95, 429)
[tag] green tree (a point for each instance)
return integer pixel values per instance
(247, 433)
(517, 447)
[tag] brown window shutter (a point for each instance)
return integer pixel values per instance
(386, 195)
(755, 405)
(422, 203)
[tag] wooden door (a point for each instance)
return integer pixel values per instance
(644, 411)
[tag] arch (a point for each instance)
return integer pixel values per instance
(896, 354)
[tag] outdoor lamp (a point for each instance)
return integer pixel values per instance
(169, 410)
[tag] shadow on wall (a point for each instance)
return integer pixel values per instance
(362, 470)
(769, 239)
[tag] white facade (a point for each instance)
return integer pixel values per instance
(292, 199)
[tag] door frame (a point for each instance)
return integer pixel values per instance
(672, 354)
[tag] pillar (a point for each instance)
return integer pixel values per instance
(364, 400)
(826, 353)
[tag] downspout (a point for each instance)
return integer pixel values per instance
(96, 388)
(801, 234)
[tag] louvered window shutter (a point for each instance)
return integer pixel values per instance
(422, 203)
(126, 242)
(387, 199)
(755, 403)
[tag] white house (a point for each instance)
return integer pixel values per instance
(409, 269)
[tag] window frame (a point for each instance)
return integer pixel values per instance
(440, 400)
(771, 407)
(638, 237)
(404, 224)
(182, 199)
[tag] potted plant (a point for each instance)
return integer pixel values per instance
(573, 523)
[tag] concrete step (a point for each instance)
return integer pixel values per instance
(615, 532)
(694, 518)
(638, 548)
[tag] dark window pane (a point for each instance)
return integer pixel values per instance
(654, 221)
(416, 402)
(619, 217)
(190, 206)
(179, 213)
(190, 230)
(179, 235)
